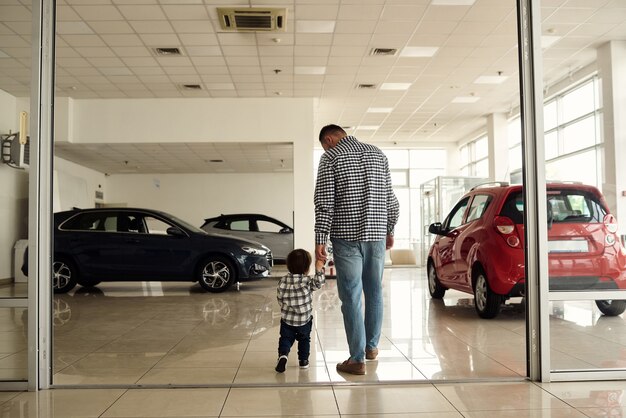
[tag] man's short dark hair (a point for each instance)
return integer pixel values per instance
(299, 261)
(331, 130)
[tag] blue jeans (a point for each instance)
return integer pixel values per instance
(360, 267)
(289, 334)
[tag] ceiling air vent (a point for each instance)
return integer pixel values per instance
(252, 18)
(383, 51)
(168, 52)
(366, 86)
(191, 87)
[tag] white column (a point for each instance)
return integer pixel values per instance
(612, 71)
(304, 186)
(453, 162)
(498, 147)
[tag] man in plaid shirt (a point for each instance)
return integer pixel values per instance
(355, 205)
(296, 306)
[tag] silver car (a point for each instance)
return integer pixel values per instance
(270, 232)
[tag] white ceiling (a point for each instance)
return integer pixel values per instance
(105, 50)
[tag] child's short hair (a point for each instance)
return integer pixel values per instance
(299, 261)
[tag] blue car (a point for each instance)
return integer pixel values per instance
(132, 244)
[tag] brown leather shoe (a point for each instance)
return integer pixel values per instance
(371, 354)
(351, 368)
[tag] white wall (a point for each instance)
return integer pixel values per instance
(13, 192)
(75, 186)
(194, 197)
(205, 120)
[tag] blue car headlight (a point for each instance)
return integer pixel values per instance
(254, 251)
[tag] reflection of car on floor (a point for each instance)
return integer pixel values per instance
(250, 314)
(127, 244)
(270, 232)
(479, 247)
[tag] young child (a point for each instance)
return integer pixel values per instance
(296, 306)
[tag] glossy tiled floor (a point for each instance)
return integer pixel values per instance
(176, 334)
(440, 400)
(219, 352)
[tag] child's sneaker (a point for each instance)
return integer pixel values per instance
(304, 364)
(282, 363)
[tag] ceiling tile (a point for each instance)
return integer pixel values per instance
(152, 27)
(142, 12)
(98, 12)
(185, 12)
(192, 26)
(104, 49)
(360, 11)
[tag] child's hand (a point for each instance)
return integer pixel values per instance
(319, 265)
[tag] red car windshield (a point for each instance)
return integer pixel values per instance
(564, 206)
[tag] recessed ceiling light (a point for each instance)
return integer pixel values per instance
(418, 51)
(309, 70)
(368, 127)
(380, 109)
(491, 79)
(548, 40)
(315, 26)
(395, 86)
(465, 99)
(452, 2)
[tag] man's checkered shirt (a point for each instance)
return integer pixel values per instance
(294, 297)
(353, 198)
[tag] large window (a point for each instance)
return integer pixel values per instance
(409, 169)
(475, 158)
(572, 137)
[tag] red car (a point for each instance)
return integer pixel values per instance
(479, 248)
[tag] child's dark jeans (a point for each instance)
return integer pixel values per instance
(289, 334)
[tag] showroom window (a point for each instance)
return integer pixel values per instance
(409, 169)
(475, 158)
(572, 136)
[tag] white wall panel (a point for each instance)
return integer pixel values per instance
(194, 197)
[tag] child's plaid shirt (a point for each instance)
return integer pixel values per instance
(294, 297)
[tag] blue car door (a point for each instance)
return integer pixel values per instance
(157, 254)
(98, 249)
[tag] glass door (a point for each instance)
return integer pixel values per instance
(15, 90)
(587, 218)
(575, 182)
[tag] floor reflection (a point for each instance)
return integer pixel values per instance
(13, 344)
(119, 334)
